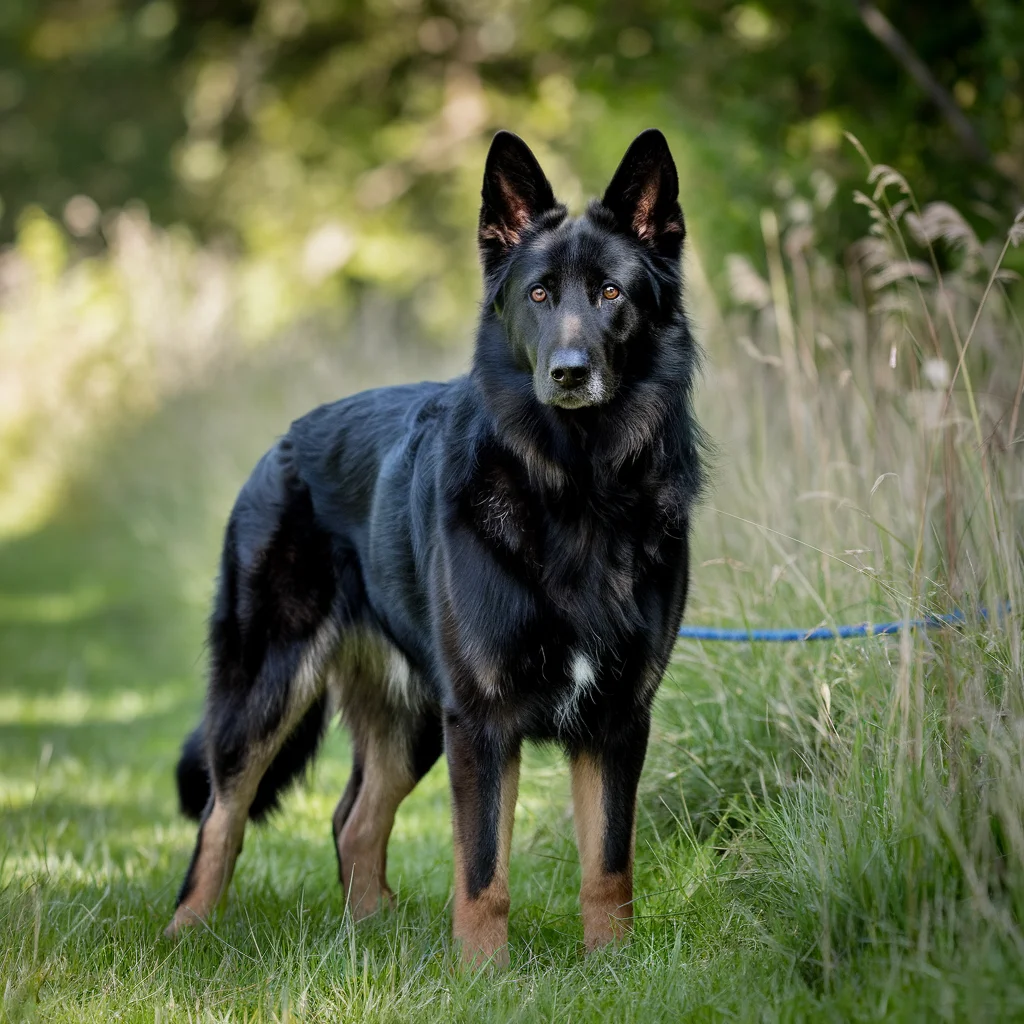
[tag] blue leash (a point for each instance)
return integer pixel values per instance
(784, 636)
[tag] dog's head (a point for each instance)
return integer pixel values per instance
(576, 296)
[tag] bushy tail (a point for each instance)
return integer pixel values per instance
(297, 751)
(193, 776)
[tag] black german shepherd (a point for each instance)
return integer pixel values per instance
(466, 565)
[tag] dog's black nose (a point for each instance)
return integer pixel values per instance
(569, 368)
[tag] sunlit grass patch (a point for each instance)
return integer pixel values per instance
(72, 707)
(51, 609)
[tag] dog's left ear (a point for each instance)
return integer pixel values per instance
(515, 192)
(644, 194)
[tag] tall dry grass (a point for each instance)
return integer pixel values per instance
(872, 412)
(870, 795)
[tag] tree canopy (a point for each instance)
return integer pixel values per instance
(343, 140)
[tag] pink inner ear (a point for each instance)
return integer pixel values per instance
(643, 215)
(644, 223)
(508, 231)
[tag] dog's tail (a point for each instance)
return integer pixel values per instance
(295, 755)
(192, 775)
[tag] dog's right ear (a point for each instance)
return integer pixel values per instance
(515, 192)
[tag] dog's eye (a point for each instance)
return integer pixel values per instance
(538, 294)
(609, 291)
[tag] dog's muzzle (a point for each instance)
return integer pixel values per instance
(572, 382)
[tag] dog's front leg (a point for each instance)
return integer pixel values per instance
(604, 784)
(484, 776)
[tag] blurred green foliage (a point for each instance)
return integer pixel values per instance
(339, 143)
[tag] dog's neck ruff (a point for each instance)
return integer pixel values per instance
(647, 423)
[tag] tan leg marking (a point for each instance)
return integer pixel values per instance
(363, 841)
(220, 835)
(605, 897)
(220, 840)
(480, 924)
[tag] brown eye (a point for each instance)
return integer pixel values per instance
(609, 291)
(538, 294)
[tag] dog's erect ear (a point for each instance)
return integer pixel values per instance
(644, 194)
(515, 192)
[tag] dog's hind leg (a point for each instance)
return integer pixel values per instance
(361, 840)
(387, 764)
(345, 805)
(250, 762)
(273, 634)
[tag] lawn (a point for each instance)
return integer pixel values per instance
(827, 831)
(813, 843)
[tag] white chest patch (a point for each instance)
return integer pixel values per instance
(582, 673)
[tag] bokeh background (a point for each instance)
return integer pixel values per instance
(184, 180)
(215, 214)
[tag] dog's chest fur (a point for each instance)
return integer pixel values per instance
(582, 553)
(565, 535)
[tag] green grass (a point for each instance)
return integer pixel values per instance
(790, 862)
(830, 831)
(736, 854)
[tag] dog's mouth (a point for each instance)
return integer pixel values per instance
(584, 397)
(571, 402)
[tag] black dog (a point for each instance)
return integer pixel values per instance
(463, 566)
